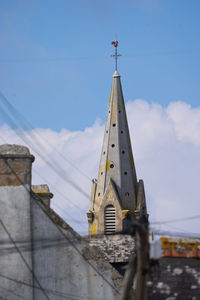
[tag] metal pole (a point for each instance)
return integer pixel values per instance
(116, 58)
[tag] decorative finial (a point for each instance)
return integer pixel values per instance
(115, 44)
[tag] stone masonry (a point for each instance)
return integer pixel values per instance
(114, 248)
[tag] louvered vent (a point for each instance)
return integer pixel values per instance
(109, 219)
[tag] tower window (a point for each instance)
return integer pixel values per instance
(110, 219)
(113, 145)
(122, 131)
(114, 124)
(111, 166)
(125, 173)
(123, 151)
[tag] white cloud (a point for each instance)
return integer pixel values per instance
(166, 147)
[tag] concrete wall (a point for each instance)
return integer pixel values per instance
(65, 265)
(15, 223)
(41, 256)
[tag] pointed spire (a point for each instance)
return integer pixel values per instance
(114, 196)
(116, 158)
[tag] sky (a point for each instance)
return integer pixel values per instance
(56, 69)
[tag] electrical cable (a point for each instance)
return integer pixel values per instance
(60, 171)
(176, 220)
(62, 195)
(183, 234)
(23, 259)
(59, 229)
(28, 127)
(57, 293)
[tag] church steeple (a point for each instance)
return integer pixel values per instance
(114, 194)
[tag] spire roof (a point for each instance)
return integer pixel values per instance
(117, 162)
(117, 199)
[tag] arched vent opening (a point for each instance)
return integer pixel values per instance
(109, 219)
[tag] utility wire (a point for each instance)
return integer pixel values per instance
(28, 126)
(57, 293)
(42, 207)
(64, 197)
(59, 170)
(183, 234)
(23, 259)
(176, 220)
(61, 194)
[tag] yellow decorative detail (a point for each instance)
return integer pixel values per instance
(107, 165)
(124, 212)
(131, 210)
(138, 205)
(93, 229)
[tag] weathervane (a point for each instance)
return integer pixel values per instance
(115, 44)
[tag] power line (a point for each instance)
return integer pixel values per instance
(183, 234)
(176, 220)
(23, 259)
(62, 195)
(15, 112)
(28, 126)
(42, 207)
(54, 166)
(57, 293)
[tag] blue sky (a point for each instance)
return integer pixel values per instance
(55, 64)
(56, 69)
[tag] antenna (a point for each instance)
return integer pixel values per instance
(115, 44)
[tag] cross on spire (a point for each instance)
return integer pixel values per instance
(115, 44)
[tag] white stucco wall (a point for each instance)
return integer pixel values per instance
(61, 269)
(15, 216)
